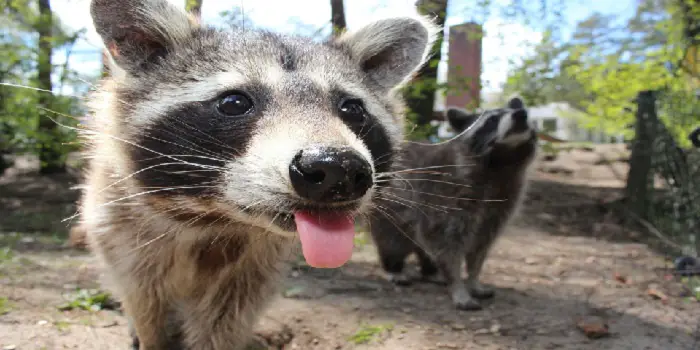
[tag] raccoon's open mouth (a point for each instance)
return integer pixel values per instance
(285, 220)
(326, 232)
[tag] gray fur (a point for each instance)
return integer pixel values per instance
(455, 203)
(189, 208)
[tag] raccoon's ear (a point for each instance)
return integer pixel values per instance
(459, 119)
(137, 33)
(516, 102)
(391, 50)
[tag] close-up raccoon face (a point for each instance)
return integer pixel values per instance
(501, 128)
(274, 131)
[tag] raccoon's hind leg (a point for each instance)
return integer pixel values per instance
(475, 263)
(450, 264)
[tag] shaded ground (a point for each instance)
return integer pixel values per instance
(563, 262)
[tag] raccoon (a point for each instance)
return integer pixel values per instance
(210, 151)
(448, 202)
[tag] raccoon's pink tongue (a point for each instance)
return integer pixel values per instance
(326, 239)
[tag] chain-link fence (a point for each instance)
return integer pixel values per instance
(675, 204)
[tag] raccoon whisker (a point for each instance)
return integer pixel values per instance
(393, 222)
(41, 90)
(394, 177)
(151, 241)
(428, 172)
(367, 132)
(211, 138)
(424, 168)
(218, 235)
(117, 138)
(427, 180)
(188, 148)
(404, 204)
(243, 210)
(151, 218)
(139, 194)
(448, 197)
(197, 148)
(192, 221)
(130, 105)
(135, 173)
(272, 221)
(473, 125)
(183, 155)
(189, 171)
(441, 208)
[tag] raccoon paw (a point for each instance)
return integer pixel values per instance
(480, 291)
(462, 300)
(468, 305)
(135, 344)
(435, 279)
(399, 279)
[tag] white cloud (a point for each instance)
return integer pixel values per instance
(502, 41)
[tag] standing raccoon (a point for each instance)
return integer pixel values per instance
(450, 201)
(211, 150)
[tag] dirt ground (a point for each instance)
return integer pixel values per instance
(565, 265)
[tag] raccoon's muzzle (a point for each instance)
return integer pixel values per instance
(328, 175)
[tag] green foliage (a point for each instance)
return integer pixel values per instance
(604, 65)
(23, 110)
(367, 333)
(5, 306)
(87, 299)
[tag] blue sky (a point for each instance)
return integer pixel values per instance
(502, 42)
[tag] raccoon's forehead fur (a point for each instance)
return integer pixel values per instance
(156, 116)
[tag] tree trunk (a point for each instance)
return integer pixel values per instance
(195, 7)
(420, 95)
(639, 177)
(50, 156)
(338, 17)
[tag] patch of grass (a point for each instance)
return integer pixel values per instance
(367, 333)
(5, 305)
(6, 254)
(361, 239)
(62, 326)
(89, 300)
(693, 285)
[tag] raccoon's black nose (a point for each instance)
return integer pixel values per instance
(325, 174)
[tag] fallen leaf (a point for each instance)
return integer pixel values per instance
(657, 294)
(458, 326)
(620, 278)
(593, 329)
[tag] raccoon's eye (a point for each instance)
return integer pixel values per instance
(352, 110)
(234, 105)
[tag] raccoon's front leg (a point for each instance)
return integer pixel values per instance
(451, 265)
(475, 263)
(392, 253)
(393, 264)
(428, 269)
(147, 320)
(219, 326)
